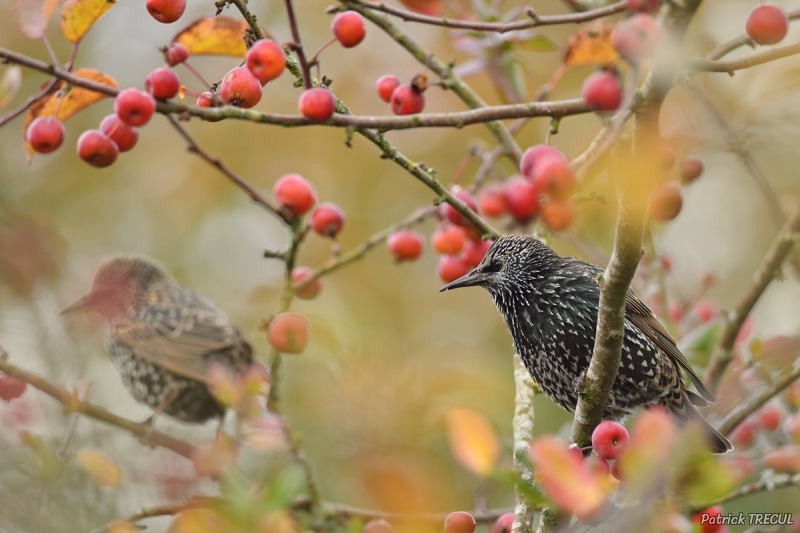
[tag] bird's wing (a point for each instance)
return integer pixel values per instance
(641, 316)
(178, 337)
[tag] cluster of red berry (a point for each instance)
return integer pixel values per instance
(666, 199)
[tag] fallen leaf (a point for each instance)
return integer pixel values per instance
(65, 100)
(102, 469)
(219, 36)
(473, 441)
(593, 44)
(10, 84)
(32, 16)
(78, 16)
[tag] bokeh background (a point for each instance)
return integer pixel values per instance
(388, 354)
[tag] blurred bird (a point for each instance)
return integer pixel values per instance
(162, 336)
(550, 305)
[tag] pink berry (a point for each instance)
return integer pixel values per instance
(405, 245)
(295, 194)
(602, 91)
(162, 83)
(134, 107)
(386, 86)
(767, 24)
(11, 388)
(310, 291)
(616, 470)
(449, 212)
(349, 28)
(407, 101)
(459, 522)
(637, 38)
(642, 6)
(707, 519)
(206, 99)
(452, 267)
(475, 251)
(492, 201)
(554, 177)
(175, 54)
(45, 134)
(449, 239)
(288, 332)
(557, 214)
(266, 60)
(240, 88)
(97, 149)
(123, 135)
(769, 417)
(327, 220)
(609, 439)
(522, 198)
(665, 202)
(533, 155)
(317, 103)
(166, 11)
(504, 523)
(690, 169)
(598, 465)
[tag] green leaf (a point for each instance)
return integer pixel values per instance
(538, 43)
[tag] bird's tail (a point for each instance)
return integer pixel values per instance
(688, 413)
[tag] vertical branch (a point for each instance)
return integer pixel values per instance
(298, 44)
(523, 434)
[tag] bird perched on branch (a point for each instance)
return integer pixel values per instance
(550, 304)
(162, 336)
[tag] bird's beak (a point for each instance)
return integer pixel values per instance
(82, 303)
(476, 277)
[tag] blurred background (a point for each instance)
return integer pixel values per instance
(388, 353)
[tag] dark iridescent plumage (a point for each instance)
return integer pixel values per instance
(162, 336)
(550, 305)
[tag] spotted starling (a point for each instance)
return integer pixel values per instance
(162, 336)
(550, 305)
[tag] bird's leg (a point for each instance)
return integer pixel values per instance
(148, 422)
(579, 382)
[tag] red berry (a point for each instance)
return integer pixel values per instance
(266, 60)
(609, 439)
(522, 198)
(240, 88)
(407, 101)
(637, 38)
(602, 91)
(705, 311)
(166, 11)
(598, 465)
(642, 6)
(386, 86)
(769, 417)
(327, 220)
(449, 239)
(504, 523)
(162, 83)
(405, 245)
(708, 519)
(97, 149)
(175, 54)
(554, 177)
(533, 155)
(206, 99)
(557, 214)
(378, 525)
(288, 332)
(449, 212)
(452, 267)
(475, 251)
(310, 291)
(134, 107)
(665, 202)
(295, 193)
(666, 156)
(349, 28)
(459, 522)
(45, 134)
(616, 470)
(317, 103)
(124, 136)
(493, 201)
(767, 24)
(11, 388)
(690, 170)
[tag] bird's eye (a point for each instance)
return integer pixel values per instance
(494, 266)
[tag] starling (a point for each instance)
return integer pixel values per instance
(550, 305)
(162, 336)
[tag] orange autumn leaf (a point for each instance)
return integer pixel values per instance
(653, 436)
(102, 469)
(473, 441)
(592, 45)
(32, 16)
(67, 100)
(219, 36)
(565, 478)
(78, 16)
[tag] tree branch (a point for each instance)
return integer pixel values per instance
(522, 425)
(501, 27)
(741, 40)
(780, 481)
(732, 65)
(72, 403)
(763, 276)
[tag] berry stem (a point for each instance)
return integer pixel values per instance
(198, 76)
(301, 56)
(314, 59)
(50, 52)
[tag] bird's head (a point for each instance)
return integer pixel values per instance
(119, 284)
(513, 260)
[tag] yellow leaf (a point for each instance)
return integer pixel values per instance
(10, 83)
(473, 441)
(122, 526)
(32, 16)
(218, 36)
(592, 45)
(102, 469)
(564, 477)
(67, 99)
(78, 16)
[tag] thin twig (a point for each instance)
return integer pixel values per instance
(522, 425)
(195, 148)
(298, 44)
(741, 40)
(11, 115)
(763, 276)
(500, 27)
(780, 481)
(732, 65)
